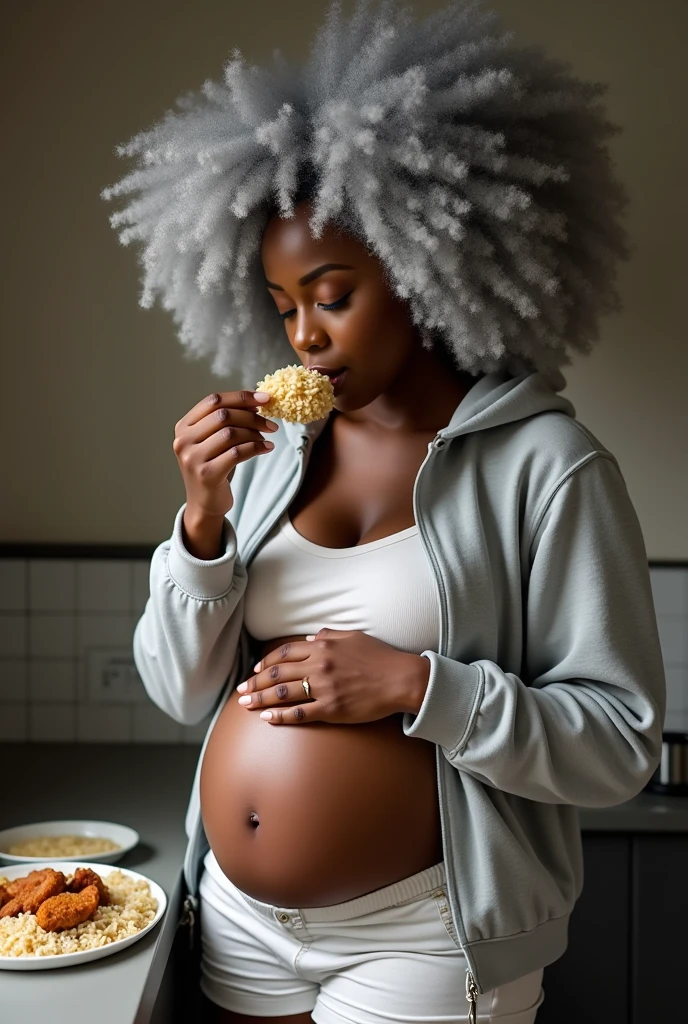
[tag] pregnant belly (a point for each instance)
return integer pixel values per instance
(311, 815)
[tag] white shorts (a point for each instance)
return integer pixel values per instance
(389, 956)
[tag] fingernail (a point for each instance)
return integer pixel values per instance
(242, 687)
(260, 396)
(271, 426)
(265, 714)
(268, 444)
(256, 667)
(311, 637)
(245, 700)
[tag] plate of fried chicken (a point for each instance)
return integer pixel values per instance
(52, 917)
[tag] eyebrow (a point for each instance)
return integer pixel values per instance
(311, 275)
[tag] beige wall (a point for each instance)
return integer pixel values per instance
(91, 385)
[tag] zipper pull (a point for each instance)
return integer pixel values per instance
(471, 997)
(189, 908)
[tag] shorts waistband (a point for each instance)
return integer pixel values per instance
(404, 891)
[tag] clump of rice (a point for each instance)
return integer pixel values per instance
(132, 907)
(47, 847)
(298, 395)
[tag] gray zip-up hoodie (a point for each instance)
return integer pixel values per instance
(547, 690)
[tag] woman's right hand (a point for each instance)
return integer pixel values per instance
(209, 442)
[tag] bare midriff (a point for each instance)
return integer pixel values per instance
(315, 814)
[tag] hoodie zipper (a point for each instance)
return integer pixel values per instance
(471, 997)
(188, 916)
(472, 989)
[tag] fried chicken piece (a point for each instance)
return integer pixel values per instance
(12, 908)
(33, 878)
(33, 893)
(50, 886)
(68, 909)
(10, 904)
(85, 876)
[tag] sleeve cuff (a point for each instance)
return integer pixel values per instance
(205, 580)
(450, 705)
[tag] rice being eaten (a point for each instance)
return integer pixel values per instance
(132, 907)
(298, 395)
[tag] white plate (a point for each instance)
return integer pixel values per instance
(126, 837)
(41, 963)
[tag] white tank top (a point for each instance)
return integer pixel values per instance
(384, 587)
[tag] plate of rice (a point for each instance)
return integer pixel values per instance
(136, 905)
(76, 839)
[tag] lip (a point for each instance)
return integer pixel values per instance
(338, 382)
(327, 371)
(337, 378)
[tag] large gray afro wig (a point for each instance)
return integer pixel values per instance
(475, 171)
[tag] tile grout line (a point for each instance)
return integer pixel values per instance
(27, 669)
(75, 650)
(132, 603)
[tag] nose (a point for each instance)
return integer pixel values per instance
(308, 334)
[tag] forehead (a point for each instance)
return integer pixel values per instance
(289, 250)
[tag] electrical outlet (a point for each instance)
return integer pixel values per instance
(112, 676)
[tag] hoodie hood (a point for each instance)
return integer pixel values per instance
(495, 399)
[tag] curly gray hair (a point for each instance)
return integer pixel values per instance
(475, 171)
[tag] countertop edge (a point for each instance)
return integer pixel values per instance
(161, 954)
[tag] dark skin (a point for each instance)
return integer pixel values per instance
(360, 476)
(397, 395)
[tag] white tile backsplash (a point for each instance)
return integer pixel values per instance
(14, 688)
(52, 723)
(13, 723)
(104, 723)
(55, 613)
(103, 586)
(13, 584)
(108, 679)
(141, 590)
(52, 585)
(103, 631)
(51, 635)
(13, 634)
(52, 680)
(196, 733)
(151, 725)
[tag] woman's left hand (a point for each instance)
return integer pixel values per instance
(353, 678)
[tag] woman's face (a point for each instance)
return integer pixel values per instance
(337, 307)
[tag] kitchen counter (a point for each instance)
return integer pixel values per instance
(647, 812)
(147, 787)
(143, 786)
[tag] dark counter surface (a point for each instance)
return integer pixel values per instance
(647, 812)
(147, 787)
(144, 786)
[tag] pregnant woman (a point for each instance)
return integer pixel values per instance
(423, 623)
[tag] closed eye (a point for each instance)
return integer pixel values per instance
(339, 304)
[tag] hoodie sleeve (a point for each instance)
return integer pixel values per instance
(584, 724)
(186, 640)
